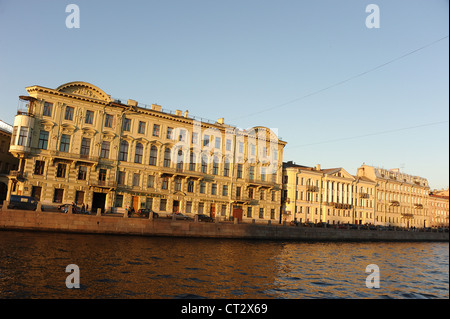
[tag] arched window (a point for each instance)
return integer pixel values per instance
(153, 155)
(123, 151)
(192, 161)
(167, 157)
(138, 153)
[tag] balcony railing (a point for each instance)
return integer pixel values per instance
(312, 188)
(394, 203)
(363, 195)
(17, 175)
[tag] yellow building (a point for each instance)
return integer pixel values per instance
(438, 209)
(7, 161)
(333, 196)
(77, 144)
(401, 199)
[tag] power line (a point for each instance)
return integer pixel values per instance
(344, 81)
(371, 134)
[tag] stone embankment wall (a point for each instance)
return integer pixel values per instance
(103, 224)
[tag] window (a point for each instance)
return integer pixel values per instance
(123, 151)
(104, 152)
(89, 119)
(251, 173)
(47, 109)
(121, 178)
(194, 137)
(249, 212)
(69, 113)
(165, 183)
(151, 181)
(241, 147)
(61, 170)
(261, 212)
(138, 153)
(228, 145)
(202, 187)
(217, 142)
(126, 125)
(13, 136)
(23, 136)
(102, 175)
(163, 205)
(156, 129)
(206, 140)
(263, 174)
(39, 167)
(214, 189)
(167, 157)
(223, 211)
(177, 184)
(225, 190)
(169, 133)
(191, 161)
(141, 127)
(136, 179)
(58, 195)
(190, 186)
(182, 136)
(239, 171)
(82, 172)
(215, 166)
(65, 143)
(204, 164)
(188, 207)
(262, 194)
(108, 120)
(226, 168)
(250, 193)
(85, 147)
(43, 140)
(201, 208)
(153, 155)
(238, 192)
(272, 213)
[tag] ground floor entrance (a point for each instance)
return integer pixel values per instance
(237, 212)
(98, 201)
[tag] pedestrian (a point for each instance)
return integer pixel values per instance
(83, 209)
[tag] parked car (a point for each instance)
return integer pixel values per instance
(179, 216)
(204, 218)
(145, 212)
(22, 202)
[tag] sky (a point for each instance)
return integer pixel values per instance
(338, 92)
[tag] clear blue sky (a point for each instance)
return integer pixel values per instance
(256, 63)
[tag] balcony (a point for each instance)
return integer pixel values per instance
(74, 157)
(407, 215)
(17, 175)
(312, 188)
(418, 206)
(394, 203)
(104, 184)
(363, 195)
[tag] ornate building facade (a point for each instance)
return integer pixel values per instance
(77, 144)
(333, 196)
(400, 199)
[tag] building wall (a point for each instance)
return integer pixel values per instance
(401, 199)
(137, 178)
(334, 196)
(438, 206)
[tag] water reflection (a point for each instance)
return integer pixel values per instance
(32, 265)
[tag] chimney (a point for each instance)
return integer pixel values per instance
(221, 120)
(156, 107)
(186, 114)
(318, 167)
(178, 112)
(132, 103)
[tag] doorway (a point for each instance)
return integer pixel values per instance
(237, 212)
(98, 201)
(176, 206)
(135, 202)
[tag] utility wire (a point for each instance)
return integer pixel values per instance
(371, 134)
(344, 81)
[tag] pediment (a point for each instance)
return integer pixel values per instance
(84, 89)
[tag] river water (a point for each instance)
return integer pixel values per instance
(33, 266)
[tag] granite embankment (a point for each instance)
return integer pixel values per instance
(106, 224)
